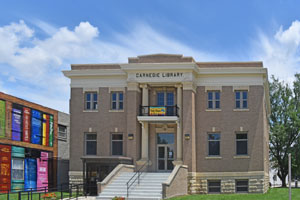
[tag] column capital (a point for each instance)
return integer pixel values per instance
(133, 86)
(144, 85)
(189, 86)
(178, 85)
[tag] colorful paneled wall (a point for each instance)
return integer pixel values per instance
(42, 170)
(17, 168)
(5, 168)
(2, 118)
(30, 173)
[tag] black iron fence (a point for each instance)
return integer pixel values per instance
(63, 191)
(159, 110)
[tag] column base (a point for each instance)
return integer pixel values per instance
(177, 162)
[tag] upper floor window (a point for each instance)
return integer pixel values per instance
(117, 100)
(241, 144)
(117, 144)
(90, 144)
(62, 131)
(91, 101)
(213, 98)
(165, 98)
(241, 99)
(214, 144)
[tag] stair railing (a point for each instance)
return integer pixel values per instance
(137, 175)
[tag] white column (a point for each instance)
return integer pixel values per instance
(145, 138)
(145, 132)
(179, 124)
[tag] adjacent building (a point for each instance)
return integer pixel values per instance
(168, 110)
(29, 144)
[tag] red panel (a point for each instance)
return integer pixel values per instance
(5, 158)
(47, 129)
(26, 124)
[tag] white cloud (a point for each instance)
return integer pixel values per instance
(280, 52)
(34, 65)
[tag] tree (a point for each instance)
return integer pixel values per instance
(284, 125)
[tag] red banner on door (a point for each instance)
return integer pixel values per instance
(5, 159)
(26, 124)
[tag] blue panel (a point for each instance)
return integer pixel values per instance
(36, 131)
(30, 173)
(36, 114)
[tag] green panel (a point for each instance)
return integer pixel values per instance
(51, 131)
(15, 187)
(18, 152)
(2, 118)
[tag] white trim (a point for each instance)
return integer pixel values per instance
(90, 90)
(229, 80)
(213, 88)
(246, 88)
(241, 109)
(116, 89)
(116, 111)
(93, 73)
(92, 83)
(157, 118)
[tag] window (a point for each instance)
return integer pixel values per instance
(117, 144)
(91, 101)
(17, 169)
(165, 98)
(62, 131)
(90, 144)
(241, 144)
(117, 100)
(241, 99)
(214, 186)
(214, 144)
(213, 100)
(241, 186)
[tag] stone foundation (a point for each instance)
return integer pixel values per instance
(258, 182)
(75, 177)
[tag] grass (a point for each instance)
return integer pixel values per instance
(272, 194)
(24, 196)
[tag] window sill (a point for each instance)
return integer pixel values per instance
(90, 110)
(213, 110)
(241, 109)
(241, 157)
(116, 111)
(213, 157)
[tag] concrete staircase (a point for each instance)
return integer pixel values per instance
(150, 186)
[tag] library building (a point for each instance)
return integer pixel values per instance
(164, 125)
(31, 146)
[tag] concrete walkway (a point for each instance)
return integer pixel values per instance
(84, 198)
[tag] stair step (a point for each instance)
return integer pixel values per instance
(149, 187)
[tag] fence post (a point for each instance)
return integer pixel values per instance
(45, 193)
(7, 194)
(19, 195)
(31, 194)
(76, 191)
(39, 196)
(28, 195)
(70, 191)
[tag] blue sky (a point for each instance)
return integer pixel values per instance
(38, 39)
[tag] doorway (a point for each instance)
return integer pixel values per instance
(165, 151)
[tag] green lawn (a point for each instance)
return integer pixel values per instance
(272, 194)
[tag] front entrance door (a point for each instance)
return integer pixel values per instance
(165, 151)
